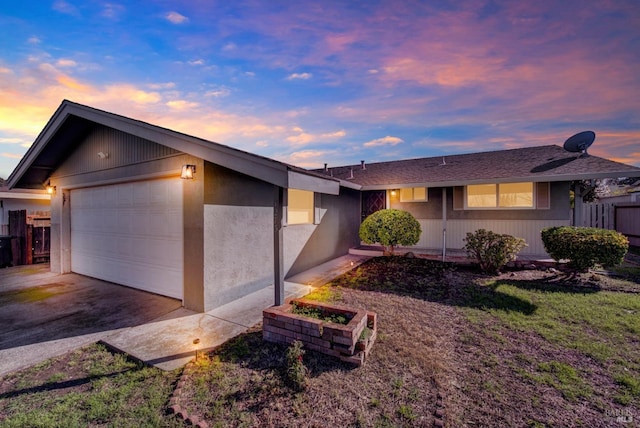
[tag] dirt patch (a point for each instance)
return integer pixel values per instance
(599, 280)
(398, 386)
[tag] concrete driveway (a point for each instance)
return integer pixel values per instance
(42, 312)
(43, 315)
(69, 305)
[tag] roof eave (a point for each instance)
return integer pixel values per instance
(545, 178)
(52, 126)
(351, 185)
(269, 170)
(313, 183)
(24, 195)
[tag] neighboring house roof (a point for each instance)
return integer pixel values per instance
(71, 121)
(542, 163)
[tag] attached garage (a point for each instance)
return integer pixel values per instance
(124, 210)
(130, 234)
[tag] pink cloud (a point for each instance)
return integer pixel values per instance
(176, 18)
(384, 141)
(299, 76)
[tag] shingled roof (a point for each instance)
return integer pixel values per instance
(542, 163)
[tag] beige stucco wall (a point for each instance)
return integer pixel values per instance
(238, 252)
(237, 235)
(335, 231)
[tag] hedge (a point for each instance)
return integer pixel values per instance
(585, 247)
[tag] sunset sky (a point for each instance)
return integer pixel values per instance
(331, 81)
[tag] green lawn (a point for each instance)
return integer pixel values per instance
(602, 325)
(88, 387)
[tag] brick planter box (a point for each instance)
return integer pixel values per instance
(347, 342)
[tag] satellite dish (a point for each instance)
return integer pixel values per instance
(580, 142)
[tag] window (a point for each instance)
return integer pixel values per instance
(413, 194)
(481, 196)
(503, 195)
(299, 207)
(516, 195)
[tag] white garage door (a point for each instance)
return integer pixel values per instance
(130, 234)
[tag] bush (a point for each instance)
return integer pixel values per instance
(296, 371)
(390, 228)
(585, 247)
(492, 250)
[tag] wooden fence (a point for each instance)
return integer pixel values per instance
(622, 217)
(628, 222)
(31, 236)
(600, 215)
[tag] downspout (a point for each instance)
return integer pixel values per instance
(444, 224)
(278, 257)
(577, 206)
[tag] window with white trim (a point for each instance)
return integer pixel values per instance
(413, 194)
(501, 195)
(300, 206)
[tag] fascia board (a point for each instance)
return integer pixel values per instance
(312, 183)
(255, 166)
(350, 185)
(39, 144)
(547, 178)
(264, 169)
(24, 195)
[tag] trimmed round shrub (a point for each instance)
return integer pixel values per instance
(492, 250)
(585, 247)
(390, 228)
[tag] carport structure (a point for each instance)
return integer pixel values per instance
(121, 212)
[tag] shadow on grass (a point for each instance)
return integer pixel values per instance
(53, 386)
(560, 283)
(488, 298)
(433, 281)
(627, 273)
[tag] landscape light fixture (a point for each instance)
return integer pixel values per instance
(196, 341)
(187, 172)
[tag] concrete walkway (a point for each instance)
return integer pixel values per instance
(170, 341)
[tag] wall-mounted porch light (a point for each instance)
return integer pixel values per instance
(188, 171)
(51, 189)
(393, 193)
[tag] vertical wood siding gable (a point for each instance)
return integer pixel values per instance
(122, 148)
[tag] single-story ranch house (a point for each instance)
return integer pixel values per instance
(155, 209)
